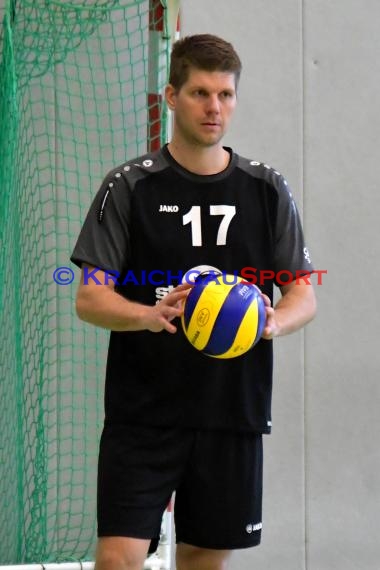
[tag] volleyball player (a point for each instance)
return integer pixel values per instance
(175, 419)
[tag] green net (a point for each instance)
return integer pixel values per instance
(74, 84)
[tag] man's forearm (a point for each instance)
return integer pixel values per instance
(106, 308)
(295, 309)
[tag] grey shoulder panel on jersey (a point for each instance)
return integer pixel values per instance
(134, 170)
(130, 173)
(290, 250)
(262, 171)
(265, 172)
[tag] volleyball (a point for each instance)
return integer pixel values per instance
(224, 315)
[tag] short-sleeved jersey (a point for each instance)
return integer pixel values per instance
(152, 221)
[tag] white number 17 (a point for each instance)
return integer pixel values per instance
(193, 217)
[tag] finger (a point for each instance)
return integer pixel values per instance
(185, 285)
(174, 297)
(269, 311)
(171, 313)
(267, 333)
(269, 327)
(169, 327)
(266, 300)
(182, 289)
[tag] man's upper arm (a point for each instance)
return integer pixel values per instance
(92, 280)
(104, 239)
(291, 253)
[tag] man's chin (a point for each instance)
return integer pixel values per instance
(209, 141)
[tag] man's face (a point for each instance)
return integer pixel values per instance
(203, 106)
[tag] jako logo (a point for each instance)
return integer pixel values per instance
(165, 208)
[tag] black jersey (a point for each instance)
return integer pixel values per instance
(152, 221)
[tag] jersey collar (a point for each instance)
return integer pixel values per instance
(201, 178)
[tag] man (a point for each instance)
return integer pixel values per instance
(177, 420)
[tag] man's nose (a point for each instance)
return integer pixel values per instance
(213, 104)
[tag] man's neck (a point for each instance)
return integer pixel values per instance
(200, 160)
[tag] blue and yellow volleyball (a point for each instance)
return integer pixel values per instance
(224, 315)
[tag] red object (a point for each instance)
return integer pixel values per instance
(154, 99)
(156, 16)
(154, 116)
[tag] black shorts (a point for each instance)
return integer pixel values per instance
(217, 477)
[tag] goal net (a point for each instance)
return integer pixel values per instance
(80, 86)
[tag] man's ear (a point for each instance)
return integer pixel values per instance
(170, 96)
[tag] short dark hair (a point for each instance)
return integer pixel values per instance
(205, 52)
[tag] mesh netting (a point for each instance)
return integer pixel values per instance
(74, 82)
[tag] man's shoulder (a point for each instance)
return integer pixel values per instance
(134, 169)
(262, 171)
